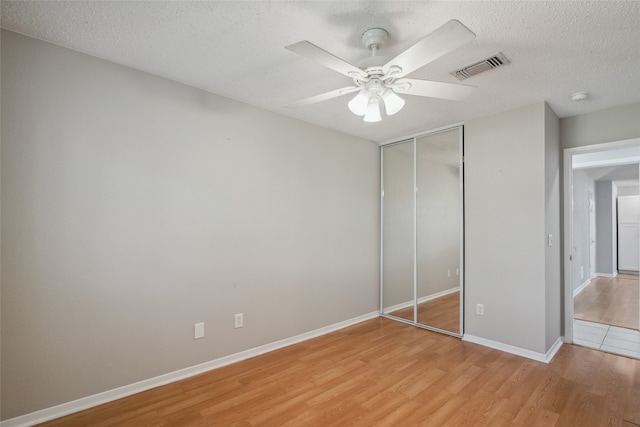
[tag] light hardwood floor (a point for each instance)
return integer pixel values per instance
(386, 373)
(442, 312)
(611, 301)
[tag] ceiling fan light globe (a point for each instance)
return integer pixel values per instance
(392, 102)
(358, 105)
(373, 111)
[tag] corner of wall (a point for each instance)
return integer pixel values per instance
(553, 253)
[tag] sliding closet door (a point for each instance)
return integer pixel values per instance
(422, 251)
(397, 271)
(439, 200)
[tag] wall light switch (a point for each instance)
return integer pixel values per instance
(550, 240)
(198, 331)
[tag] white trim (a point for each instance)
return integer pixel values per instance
(381, 258)
(567, 242)
(550, 354)
(461, 272)
(518, 351)
(580, 288)
(415, 229)
(609, 275)
(127, 390)
(438, 294)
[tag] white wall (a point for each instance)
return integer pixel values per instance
(507, 197)
(134, 207)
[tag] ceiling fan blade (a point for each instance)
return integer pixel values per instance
(323, 97)
(452, 91)
(313, 52)
(445, 39)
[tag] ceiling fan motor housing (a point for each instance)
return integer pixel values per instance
(374, 38)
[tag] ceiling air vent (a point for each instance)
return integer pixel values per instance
(481, 66)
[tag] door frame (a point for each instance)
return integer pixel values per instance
(568, 221)
(592, 234)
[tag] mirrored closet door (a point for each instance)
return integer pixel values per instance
(422, 231)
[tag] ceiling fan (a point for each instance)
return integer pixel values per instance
(378, 79)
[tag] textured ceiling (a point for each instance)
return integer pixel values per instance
(236, 49)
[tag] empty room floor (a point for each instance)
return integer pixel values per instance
(386, 373)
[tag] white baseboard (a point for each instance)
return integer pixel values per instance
(615, 274)
(580, 288)
(120, 392)
(518, 351)
(421, 300)
(438, 294)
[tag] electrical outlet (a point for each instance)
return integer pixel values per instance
(198, 331)
(448, 273)
(582, 271)
(480, 309)
(239, 321)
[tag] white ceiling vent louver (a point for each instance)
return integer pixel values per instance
(490, 63)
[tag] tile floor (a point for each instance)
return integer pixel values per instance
(608, 338)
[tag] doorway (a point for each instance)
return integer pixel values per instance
(602, 309)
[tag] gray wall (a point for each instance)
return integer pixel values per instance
(606, 226)
(583, 184)
(613, 124)
(508, 194)
(134, 207)
(630, 190)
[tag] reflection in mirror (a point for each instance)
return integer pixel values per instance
(397, 233)
(439, 230)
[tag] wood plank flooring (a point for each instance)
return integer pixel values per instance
(442, 313)
(611, 301)
(386, 373)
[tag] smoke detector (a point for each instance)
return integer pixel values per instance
(579, 96)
